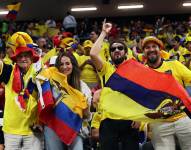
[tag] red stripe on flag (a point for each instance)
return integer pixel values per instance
(153, 80)
(66, 134)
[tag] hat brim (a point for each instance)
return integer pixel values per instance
(159, 42)
(20, 50)
(89, 45)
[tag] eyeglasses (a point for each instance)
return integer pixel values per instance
(112, 49)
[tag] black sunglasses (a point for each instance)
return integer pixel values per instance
(112, 49)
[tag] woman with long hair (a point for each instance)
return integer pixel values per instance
(66, 66)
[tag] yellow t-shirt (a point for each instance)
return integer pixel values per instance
(15, 120)
(96, 120)
(107, 70)
(104, 53)
(41, 29)
(88, 73)
(181, 73)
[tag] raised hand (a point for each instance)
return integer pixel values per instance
(106, 26)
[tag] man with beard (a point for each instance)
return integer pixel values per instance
(113, 133)
(178, 125)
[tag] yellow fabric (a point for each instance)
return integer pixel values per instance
(87, 43)
(20, 39)
(134, 112)
(165, 55)
(73, 98)
(104, 53)
(76, 56)
(41, 29)
(142, 126)
(52, 31)
(10, 44)
(179, 71)
(104, 74)
(172, 52)
(130, 43)
(15, 120)
(88, 73)
(140, 57)
(1, 67)
(48, 55)
(107, 70)
(129, 53)
(68, 41)
(7, 60)
(96, 120)
(15, 7)
(182, 50)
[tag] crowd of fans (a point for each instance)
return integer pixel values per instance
(85, 55)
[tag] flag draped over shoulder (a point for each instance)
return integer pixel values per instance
(13, 10)
(139, 93)
(60, 105)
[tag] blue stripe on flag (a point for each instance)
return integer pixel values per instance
(46, 87)
(67, 116)
(146, 97)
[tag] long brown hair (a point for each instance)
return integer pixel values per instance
(74, 79)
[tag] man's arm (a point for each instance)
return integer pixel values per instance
(96, 48)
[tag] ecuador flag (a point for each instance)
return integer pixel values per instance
(62, 106)
(13, 10)
(136, 92)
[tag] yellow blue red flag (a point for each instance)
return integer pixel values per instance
(13, 10)
(139, 93)
(62, 106)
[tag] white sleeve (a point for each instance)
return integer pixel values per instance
(86, 91)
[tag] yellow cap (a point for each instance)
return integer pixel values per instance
(87, 43)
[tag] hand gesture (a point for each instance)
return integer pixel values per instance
(106, 26)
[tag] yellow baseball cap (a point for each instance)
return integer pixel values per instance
(87, 43)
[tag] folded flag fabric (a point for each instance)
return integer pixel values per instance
(62, 105)
(13, 10)
(139, 93)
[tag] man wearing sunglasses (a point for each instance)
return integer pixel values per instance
(113, 133)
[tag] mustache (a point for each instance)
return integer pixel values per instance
(151, 52)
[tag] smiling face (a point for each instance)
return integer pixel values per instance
(24, 60)
(65, 66)
(152, 52)
(118, 53)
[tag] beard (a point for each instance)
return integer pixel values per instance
(119, 60)
(153, 59)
